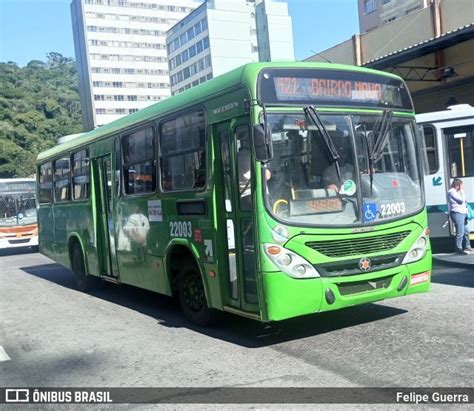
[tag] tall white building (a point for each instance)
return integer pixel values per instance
(121, 54)
(275, 31)
(221, 35)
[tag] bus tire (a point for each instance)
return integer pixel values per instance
(192, 297)
(84, 282)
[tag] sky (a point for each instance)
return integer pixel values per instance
(29, 29)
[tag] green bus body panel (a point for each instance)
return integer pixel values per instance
(145, 260)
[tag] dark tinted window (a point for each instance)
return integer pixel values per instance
(139, 172)
(429, 133)
(46, 183)
(81, 175)
(461, 150)
(62, 174)
(183, 152)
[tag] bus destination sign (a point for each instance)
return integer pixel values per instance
(18, 187)
(309, 89)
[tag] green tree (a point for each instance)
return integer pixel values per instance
(38, 103)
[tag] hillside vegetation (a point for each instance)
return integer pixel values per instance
(38, 104)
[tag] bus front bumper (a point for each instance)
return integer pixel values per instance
(287, 297)
(14, 242)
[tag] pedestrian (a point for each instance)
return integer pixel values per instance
(458, 213)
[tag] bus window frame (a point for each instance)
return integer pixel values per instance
(118, 165)
(50, 161)
(173, 116)
(120, 139)
(449, 139)
(71, 156)
(435, 148)
(55, 180)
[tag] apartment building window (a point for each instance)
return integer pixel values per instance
(199, 46)
(197, 28)
(386, 1)
(190, 33)
(370, 6)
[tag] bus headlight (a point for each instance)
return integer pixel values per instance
(289, 262)
(418, 249)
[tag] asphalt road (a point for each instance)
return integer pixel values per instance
(53, 335)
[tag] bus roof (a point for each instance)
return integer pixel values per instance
(245, 74)
(452, 113)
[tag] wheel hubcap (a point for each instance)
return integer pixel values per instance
(193, 292)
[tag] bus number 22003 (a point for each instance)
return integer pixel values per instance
(181, 229)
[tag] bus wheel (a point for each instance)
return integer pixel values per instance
(192, 297)
(84, 282)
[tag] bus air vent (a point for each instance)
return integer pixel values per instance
(364, 286)
(358, 245)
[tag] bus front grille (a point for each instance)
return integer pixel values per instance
(358, 245)
(352, 267)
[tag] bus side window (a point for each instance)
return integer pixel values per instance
(244, 167)
(183, 152)
(80, 175)
(431, 148)
(118, 166)
(46, 183)
(139, 165)
(62, 173)
(461, 150)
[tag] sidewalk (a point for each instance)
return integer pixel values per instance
(454, 259)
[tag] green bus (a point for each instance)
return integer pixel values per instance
(273, 191)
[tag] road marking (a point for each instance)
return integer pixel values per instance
(3, 355)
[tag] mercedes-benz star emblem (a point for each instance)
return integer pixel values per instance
(364, 264)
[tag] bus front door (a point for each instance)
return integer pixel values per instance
(237, 216)
(104, 222)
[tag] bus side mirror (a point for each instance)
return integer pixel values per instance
(262, 141)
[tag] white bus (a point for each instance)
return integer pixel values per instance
(449, 145)
(18, 225)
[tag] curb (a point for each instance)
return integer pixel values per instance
(453, 263)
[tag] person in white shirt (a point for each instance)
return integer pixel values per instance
(458, 213)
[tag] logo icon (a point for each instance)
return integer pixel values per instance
(364, 264)
(17, 395)
(370, 212)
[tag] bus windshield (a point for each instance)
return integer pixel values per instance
(17, 204)
(305, 185)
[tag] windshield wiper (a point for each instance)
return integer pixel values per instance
(381, 135)
(313, 115)
(380, 141)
